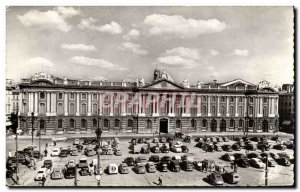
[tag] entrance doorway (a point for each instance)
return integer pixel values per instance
(223, 126)
(163, 126)
(265, 126)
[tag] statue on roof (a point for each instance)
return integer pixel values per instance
(161, 74)
(185, 83)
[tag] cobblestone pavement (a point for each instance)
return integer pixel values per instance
(278, 175)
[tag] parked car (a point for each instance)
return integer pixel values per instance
(274, 156)
(155, 149)
(271, 162)
(250, 147)
(217, 147)
(155, 140)
(236, 147)
(227, 157)
(166, 158)
(241, 144)
(76, 142)
(140, 140)
(118, 152)
(147, 141)
(279, 147)
(150, 166)
(231, 177)
(74, 152)
(174, 166)
(257, 163)
(287, 155)
(56, 139)
(256, 139)
(164, 149)
(163, 166)
(163, 140)
(55, 152)
(184, 149)
(69, 172)
(200, 144)
(242, 162)
(154, 158)
(176, 149)
(48, 164)
(187, 165)
(63, 153)
(79, 147)
(198, 139)
(133, 141)
(178, 143)
(227, 148)
(187, 138)
(140, 168)
(263, 147)
(141, 159)
(89, 152)
(129, 161)
(71, 163)
(253, 155)
(239, 155)
(209, 147)
(220, 139)
(57, 173)
(215, 178)
(283, 161)
(42, 172)
(84, 171)
(197, 165)
(123, 168)
(82, 163)
(112, 169)
(225, 139)
(177, 158)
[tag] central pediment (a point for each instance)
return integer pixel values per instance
(163, 84)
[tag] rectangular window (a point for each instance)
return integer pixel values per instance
(72, 108)
(42, 95)
(95, 108)
(72, 96)
(240, 110)
(83, 108)
(95, 96)
(83, 96)
(60, 95)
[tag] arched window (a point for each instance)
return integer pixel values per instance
(83, 108)
(95, 123)
(106, 109)
(72, 123)
(213, 99)
(265, 100)
(42, 95)
(232, 123)
(213, 110)
(213, 125)
(60, 124)
(149, 124)
(204, 110)
(60, 110)
(240, 99)
(117, 123)
(95, 96)
(42, 108)
(204, 98)
(251, 110)
(223, 110)
(231, 110)
(117, 108)
(129, 109)
(83, 96)
(193, 125)
(241, 123)
(231, 99)
(106, 124)
(83, 123)
(72, 108)
(130, 123)
(223, 126)
(251, 99)
(95, 108)
(178, 124)
(204, 123)
(240, 110)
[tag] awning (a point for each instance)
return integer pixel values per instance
(286, 123)
(8, 123)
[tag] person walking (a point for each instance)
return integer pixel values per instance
(43, 180)
(46, 152)
(160, 180)
(9, 153)
(54, 143)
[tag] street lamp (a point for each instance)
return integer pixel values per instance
(98, 133)
(32, 130)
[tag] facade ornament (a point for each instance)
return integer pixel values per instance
(185, 83)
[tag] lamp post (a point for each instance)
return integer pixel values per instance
(32, 130)
(98, 133)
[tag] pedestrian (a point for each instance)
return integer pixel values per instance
(232, 164)
(224, 170)
(43, 180)
(54, 143)
(160, 180)
(91, 168)
(46, 152)
(9, 153)
(46, 145)
(235, 168)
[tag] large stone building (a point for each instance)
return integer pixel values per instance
(287, 107)
(11, 100)
(61, 105)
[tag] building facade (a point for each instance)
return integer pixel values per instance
(11, 100)
(61, 105)
(287, 107)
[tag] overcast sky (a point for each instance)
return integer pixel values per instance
(116, 43)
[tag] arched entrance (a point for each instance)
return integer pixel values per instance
(223, 126)
(265, 126)
(163, 125)
(213, 125)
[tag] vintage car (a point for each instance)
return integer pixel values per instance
(279, 147)
(154, 158)
(219, 166)
(257, 163)
(133, 141)
(76, 142)
(242, 162)
(250, 147)
(246, 139)
(176, 149)
(185, 149)
(227, 157)
(283, 161)
(97, 171)
(163, 139)
(118, 152)
(198, 139)
(163, 166)
(287, 155)
(239, 156)
(166, 158)
(141, 140)
(271, 162)
(71, 163)
(155, 149)
(89, 152)
(164, 149)
(155, 140)
(241, 144)
(236, 147)
(42, 172)
(187, 165)
(209, 147)
(200, 144)
(215, 178)
(231, 177)
(227, 148)
(145, 149)
(275, 156)
(177, 158)
(225, 139)
(253, 155)
(63, 153)
(197, 165)
(57, 173)
(21, 157)
(147, 141)
(84, 171)
(214, 139)
(123, 168)
(150, 166)
(217, 147)
(69, 172)
(187, 138)
(140, 168)
(129, 161)
(56, 139)
(82, 163)
(79, 147)
(263, 147)
(74, 152)
(112, 169)
(141, 159)
(220, 139)
(48, 164)
(55, 152)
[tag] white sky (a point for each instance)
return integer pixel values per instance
(115, 43)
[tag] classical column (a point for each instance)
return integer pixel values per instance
(257, 106)
(171, 108)
(245, 106)
(111, 104)
(153, 104)
(30, 99)
(261, 107)
(218, 106)
(66, 103)
(89, 104)
(124, 99)
(100, 103)
(20, 104)
(208, 107)
(227, 106)
(36, 103)
(198, 105)
(53, 103)
(48, 112)
(236, 106)
(77, 103)
(269, 114)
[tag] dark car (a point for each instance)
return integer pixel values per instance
(69, 172)
(236, 147)
(263, 147)
(227, 148)
(231, 177)
(48, 164)
(187, 165)
(250, 147)
(84, 171)
(220, 139)
(155, 149)
(185, 149)
(36, 154)
(246, 139)
(63, 153)
(208, 148)
(166, 158)
(215, 178)
(174, 166)
(87, 141)
(271, 162)
(140, 140)
(242, 162)
(187, 139)
(253, 155)
(283, 161)
(199, 139)
(227, 157)
(217, 147)
(164, 149)
(213, 139)
(225, 139)
(241, 144)
(279, 147)
(154, 158)
(200, 144)
(79, 147)
(133, 141)
(145, 150)
(163, 166)
(290, 146)
(256, 139)
(129, 161)
(239, 156)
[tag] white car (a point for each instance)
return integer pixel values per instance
(55, 152)
(176, 149)
(257, 163)
(41, 172)
(59, 139)
(178, 143)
